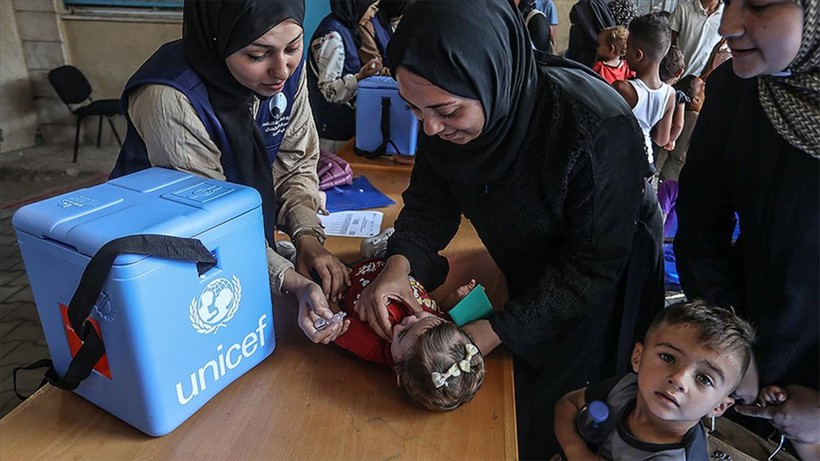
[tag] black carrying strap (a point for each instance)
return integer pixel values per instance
(91, 284)
(42, 363)
(385, 129)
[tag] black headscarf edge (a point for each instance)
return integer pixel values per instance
(477, 50)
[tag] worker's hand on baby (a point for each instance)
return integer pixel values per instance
(310, 254)
(391, 284)
(313, 306)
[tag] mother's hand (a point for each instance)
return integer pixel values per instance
(483, 335)
(798, 418)
(391, 284)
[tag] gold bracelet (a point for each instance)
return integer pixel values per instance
(309, 232)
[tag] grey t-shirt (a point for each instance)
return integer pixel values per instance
(619, 394)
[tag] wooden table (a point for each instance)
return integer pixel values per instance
(305, 402)
(382, 164)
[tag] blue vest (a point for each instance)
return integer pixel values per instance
(273, 116)
(168, 66)
(338, 121)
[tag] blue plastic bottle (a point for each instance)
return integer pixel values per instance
(591, 422)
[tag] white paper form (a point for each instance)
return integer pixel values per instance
(352, 223)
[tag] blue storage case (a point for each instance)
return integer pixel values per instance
(173, 338)
(369, 107)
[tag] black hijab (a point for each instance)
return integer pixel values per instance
(349, 12)
(212, 30)
(479, 50)
(525, 6)
(393, 8)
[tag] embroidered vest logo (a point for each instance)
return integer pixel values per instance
(215, 306)
(277, 107)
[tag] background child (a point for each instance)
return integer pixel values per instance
(670, 71)
(692, 359)
(668, 162)
(611, 50)
(672, 66)
(435, 361)
(772, 395)
(651, 100)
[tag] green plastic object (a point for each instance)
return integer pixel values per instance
(474, 306)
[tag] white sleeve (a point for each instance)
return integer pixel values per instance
(676, 19)
(329, 53)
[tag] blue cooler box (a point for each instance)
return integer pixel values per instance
(404, 125)
(173, 338)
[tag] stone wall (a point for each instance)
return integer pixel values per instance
(107, 48)
(43, 44)
(30, 42)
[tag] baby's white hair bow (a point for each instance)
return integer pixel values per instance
(440, 379)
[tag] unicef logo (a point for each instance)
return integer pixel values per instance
(277, 104)
(216, 305)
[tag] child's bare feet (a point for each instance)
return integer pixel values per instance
(453, 298)
(772, 395)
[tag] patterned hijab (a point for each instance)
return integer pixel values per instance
(792, 103)
(476, 49)
(212, 30)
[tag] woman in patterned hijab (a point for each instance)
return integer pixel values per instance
(792, 100)
(754, 160)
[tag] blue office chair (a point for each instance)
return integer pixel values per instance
(73, 88)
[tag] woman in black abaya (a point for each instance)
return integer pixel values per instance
(548, 165)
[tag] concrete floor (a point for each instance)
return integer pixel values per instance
(27, 176)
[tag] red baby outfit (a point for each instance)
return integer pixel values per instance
(359, 338)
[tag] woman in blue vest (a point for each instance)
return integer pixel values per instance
(191, 107)
(336, 51)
